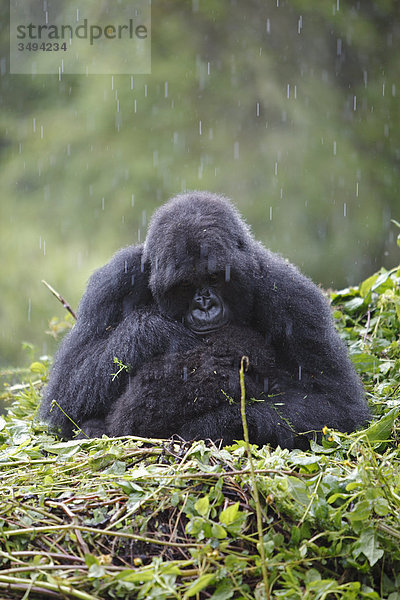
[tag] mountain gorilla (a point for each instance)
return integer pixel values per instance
(180, 312)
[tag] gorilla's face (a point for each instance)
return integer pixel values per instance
(201, 304)
(207, 311)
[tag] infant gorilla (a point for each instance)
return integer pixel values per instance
(175, 393)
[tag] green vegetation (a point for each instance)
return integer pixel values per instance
(139, 518)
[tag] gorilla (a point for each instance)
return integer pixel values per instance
(179, 312)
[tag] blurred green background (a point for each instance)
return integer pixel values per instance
(291, 108)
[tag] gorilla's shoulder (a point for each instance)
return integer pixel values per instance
(124, 277)
(125, 263)
(283, 277)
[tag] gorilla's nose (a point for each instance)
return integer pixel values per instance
(203, 299)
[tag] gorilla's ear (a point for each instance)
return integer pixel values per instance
(115, 289)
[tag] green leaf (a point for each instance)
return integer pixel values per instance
(202, 506)
(365, 362)
(381, 430)
(64, 449)
(312, 575)
(224, 591)
(230, 513)
(118, 467)
(299, 491)
(366, 285)
(38, 367)
(334, 497)
(381, 507)
(130, 487)
(295, 535)
(353, 304)
(361, 512)
(90, 560)
(353, 485)
(218, 531)
(198, 585)
(368, 545)
(382, 283)
(340, 295)
(147, 573)
(96, 571)
(142, 575)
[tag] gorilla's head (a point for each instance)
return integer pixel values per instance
(199, 253)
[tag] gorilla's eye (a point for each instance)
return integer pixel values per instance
(213, 278)
(185, 285)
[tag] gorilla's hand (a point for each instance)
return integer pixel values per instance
(161, 335)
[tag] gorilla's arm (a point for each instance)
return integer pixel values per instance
(114, 291)
(159, 402)
(288, 420)
(116, 318)
(82, 381)
(295, 318)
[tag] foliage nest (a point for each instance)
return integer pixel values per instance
(140, 518)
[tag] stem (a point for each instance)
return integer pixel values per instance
(53, 590)
(256, 497)
(71, 527)
(60, 298)
(55, 403)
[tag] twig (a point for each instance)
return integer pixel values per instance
(27, 461)
(84, 547)
(29, 588)
(60, 298)
(40, 567)
(202, 475)
(389, 530)
(256, 497)
(44, 588)
(130, 536)
(43, 554)
(367, 326)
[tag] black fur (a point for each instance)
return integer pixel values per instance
(134, 308)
